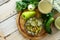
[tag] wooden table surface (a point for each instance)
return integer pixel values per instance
(8, 27)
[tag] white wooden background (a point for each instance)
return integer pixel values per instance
(8, 25)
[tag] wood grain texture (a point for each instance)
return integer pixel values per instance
(2, 36)
(7, 10)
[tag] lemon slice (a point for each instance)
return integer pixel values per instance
(57, 23)
(45, 6)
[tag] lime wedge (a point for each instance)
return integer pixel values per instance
(57, 23)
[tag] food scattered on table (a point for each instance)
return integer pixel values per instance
(34, 25)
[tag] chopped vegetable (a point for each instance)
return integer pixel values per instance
(20, 6)
(31, 7)
(27, 14)
(32, 26)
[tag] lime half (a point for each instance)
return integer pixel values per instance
(57, 22)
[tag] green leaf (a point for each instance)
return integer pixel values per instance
(20, 6)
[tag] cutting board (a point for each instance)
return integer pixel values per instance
(20, 23)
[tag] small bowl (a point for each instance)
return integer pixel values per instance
(45, 6)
